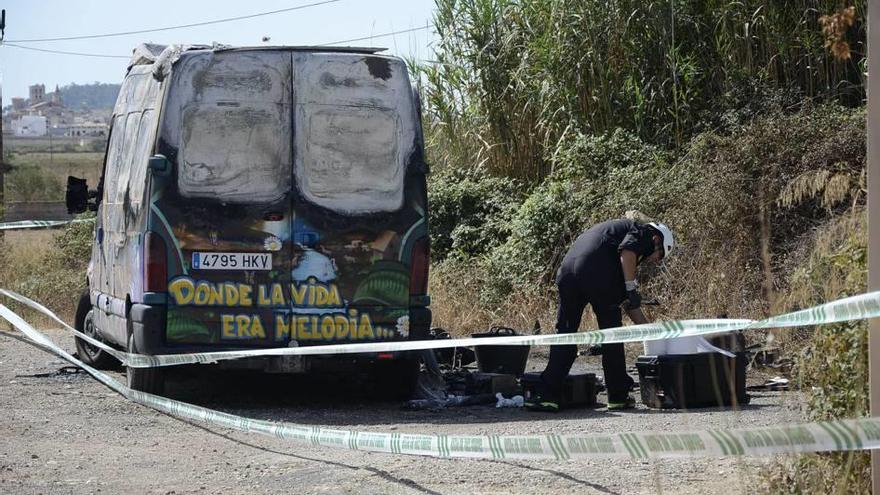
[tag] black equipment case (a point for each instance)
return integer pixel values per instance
(503, 359)
(684, 381)
(577, 390)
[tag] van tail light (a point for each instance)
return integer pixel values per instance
(418, 276)
(155, 263)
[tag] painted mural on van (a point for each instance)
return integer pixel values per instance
(292, 197)
(260, 197)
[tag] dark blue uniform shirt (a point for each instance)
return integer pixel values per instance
(593, 261)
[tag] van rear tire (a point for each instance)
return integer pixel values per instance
(149, 380)
(395, 379)
(91, 355)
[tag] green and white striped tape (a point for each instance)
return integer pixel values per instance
(851, 308)
(40, 224)
(842, 435)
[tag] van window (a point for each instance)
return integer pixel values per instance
(228, 114)
(238, 152)
(138, 176)
(123, 168)
(132, 134)
(115, 153)
(350, 158)
(355, 130)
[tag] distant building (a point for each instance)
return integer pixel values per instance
(37, 93)
(57, 119)
(29, 126)
(57, 113)
(92, 129)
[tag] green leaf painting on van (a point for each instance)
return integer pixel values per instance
(386, 285)
(181, 328)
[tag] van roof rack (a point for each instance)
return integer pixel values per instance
(306, 48)
(162, 57)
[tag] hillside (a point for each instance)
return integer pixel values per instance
(93, 96)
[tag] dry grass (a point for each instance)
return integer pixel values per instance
(25, 267)
(455, 296)
(24, 244)
(820, 246)
(85, 165)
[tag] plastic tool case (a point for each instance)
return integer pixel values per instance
(504, 359)
(684, 381)
(577, 391)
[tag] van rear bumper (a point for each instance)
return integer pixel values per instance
(148, 327)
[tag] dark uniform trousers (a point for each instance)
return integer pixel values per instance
(575, 292)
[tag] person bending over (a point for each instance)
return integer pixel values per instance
(600, 269)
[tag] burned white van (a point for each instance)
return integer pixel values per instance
(255, 198)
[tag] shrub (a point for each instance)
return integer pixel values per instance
(469, 212)
(594, 178)
(73, 245)
(739, 241)
(832, 368)
(543, 224)
(32, 183)
(740, 204)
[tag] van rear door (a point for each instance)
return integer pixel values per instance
(359, 202)
(227, 213)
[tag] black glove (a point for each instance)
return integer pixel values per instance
(633, 300)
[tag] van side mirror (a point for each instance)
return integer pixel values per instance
(159, 165)
(77, 196)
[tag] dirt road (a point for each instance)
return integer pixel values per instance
(62, 432)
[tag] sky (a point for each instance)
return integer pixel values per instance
(313, 25)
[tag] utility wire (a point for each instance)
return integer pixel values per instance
(100, 55)
(218, 21)
(79, 54)
(383, 35)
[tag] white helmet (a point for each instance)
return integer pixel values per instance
(668, 240)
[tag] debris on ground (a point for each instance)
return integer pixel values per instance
(455, 357)
(449, 401)
(438, 389)
(515, 401)
(775, 383)
(62, 371)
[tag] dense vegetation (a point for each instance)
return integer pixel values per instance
(513, 79)
(741, 124)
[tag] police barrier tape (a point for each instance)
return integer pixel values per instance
(851, 308)
(40, 224)
(842, 435)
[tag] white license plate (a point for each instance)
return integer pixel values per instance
(231, 261)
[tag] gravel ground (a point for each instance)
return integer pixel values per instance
(62, 432)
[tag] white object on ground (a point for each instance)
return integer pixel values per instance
(682, 345)
(515, 401)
